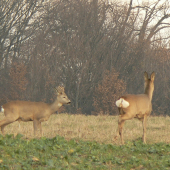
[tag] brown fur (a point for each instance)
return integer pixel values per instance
(140, 107)
(32, 111)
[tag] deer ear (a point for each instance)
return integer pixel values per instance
(145, 75)
(62, 88)
(153, 76)
(59, 90)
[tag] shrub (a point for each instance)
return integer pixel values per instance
(106, 93)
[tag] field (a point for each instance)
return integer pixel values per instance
(86, 142)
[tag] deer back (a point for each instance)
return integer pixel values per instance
(26, 110)
(138, 105)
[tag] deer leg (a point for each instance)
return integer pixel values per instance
(121, 121)
(19, 121)
(5, 122)
(40, 127)
(2, 128)
(144, 129)
(120, 130)
(37, 125)
(120, 126)
(117, 132)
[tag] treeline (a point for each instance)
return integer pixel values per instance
(97, 49)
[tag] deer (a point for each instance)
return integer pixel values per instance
(32, 111)
(136, 106)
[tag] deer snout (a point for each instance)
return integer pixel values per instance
(69, 102)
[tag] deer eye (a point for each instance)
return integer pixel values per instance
(64, 97)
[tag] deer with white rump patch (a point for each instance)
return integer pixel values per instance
(136, 106)
(32, 111)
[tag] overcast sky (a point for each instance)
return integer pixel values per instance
(135, 2)
(147, 2)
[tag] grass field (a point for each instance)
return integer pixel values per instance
(86, 142)
(101, 129)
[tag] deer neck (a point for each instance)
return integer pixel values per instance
(55, 106)
(149, 92)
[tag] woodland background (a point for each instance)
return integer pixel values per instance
(97, 49)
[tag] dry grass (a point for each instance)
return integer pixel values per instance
(99, 128)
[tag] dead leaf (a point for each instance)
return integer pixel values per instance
(35, 159)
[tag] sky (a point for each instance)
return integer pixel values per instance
(136, 2)
(164, 32)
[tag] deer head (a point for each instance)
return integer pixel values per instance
(61, 96)
(149, 84)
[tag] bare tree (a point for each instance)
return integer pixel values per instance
(72, 43)
(17, 24)
(16, 16)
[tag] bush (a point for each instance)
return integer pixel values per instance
(110, 89)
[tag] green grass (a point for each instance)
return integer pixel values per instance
(86, 142)
(58, 153)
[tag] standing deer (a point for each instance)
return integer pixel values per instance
(32, 111)
(136, 106)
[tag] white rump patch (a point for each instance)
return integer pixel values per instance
(122, 103)
(2, 109)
